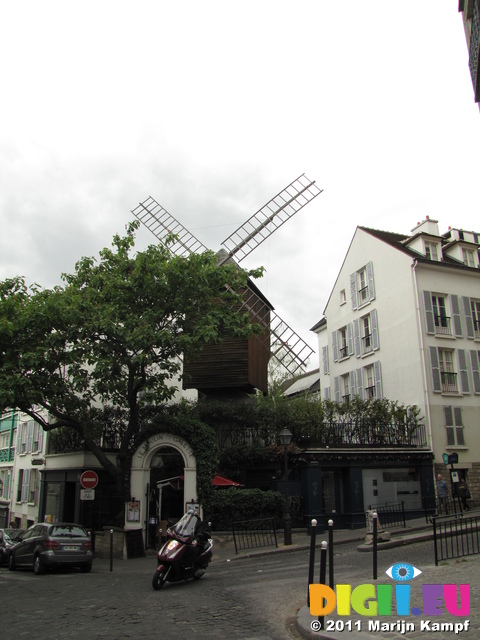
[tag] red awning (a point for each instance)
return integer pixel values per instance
(220, 481)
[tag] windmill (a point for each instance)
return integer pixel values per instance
(240, 365)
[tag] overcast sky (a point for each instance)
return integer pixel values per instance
(212, 108)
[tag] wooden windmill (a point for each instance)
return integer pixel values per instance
(240, 365)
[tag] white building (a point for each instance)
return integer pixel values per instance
(403, 322)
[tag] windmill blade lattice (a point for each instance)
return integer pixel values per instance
(270, 217)
(162, 224)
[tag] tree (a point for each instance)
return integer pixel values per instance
(109, 341)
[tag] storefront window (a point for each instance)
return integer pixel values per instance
(52, 501)
(392, 485)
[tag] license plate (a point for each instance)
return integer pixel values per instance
(70, 547)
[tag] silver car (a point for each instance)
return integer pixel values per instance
(45, 545)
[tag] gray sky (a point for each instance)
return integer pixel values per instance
(212, 108)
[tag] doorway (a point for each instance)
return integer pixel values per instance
(166, 492)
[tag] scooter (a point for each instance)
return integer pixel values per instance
(186, 553)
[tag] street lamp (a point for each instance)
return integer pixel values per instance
(285, 437)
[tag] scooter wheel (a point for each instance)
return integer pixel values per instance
(159, 578)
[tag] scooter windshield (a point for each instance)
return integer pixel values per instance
(186, 527)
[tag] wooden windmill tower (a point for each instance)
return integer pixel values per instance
(238, 366)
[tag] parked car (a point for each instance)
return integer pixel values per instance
(45, 545)
(6, 543)
(14, 534)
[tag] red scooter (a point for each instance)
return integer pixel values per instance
(186, 553)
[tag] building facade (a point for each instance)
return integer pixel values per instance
(470, 10)
(403, 323)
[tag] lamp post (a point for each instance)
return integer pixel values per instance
(285, 437)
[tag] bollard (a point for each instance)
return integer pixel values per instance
(111, 549)
(330, 554)
(375, 527)
(323, 575)
(311, 563)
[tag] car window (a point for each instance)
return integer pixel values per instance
(68, 531)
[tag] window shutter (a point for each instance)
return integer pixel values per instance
(357, 338)
(375, 336)
(30, 426)
(353, 386)
(25, 485)
(449, 425)
(437, 383)
(335, 346)
(350, 339)
(475, 370)
(457, 413)
(360, 383)
(353, 290)
(337, 389)
(325, 360)
(468, 317)
(19, 437)
(326, 393)
(378, 380)
(427, 301)
(40, 438)
(462, 367)
(457, 321)
(370, 281)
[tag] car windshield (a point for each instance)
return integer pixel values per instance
(68, 531)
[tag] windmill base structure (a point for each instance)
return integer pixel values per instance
(236, 367)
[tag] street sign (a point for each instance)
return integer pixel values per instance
(445, 458)
(87, 494)
(89, 479)
(453, 458)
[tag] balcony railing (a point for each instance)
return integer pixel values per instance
(343, 352)
(449, 381)
(443, 325)
(370, 392)
(360, 433)
(367, 343)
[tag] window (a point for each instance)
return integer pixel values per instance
(367, 335)
(448, 375)
(468, 257)
(343, 297)
(362, 286)
(345, 381)
(475, 306)
(442, 322)
(431, 251)
(454, 426)
(342, 342)
(32, 487)
(369, 382)
(20, 485)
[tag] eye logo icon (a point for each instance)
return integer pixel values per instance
(402, 572)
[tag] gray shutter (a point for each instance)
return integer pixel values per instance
(475, 371)
(370, 281)
(326, 393)
(350, 339)
(353, 290)
(468, 317)
(462, 367)
(40, 438)
(25, 485)
(353, 385)
(30, 427)
(357, 339)
(457, 321)
(378, 380)
(19, 437)
(337, 389)
(360, 393)
(449, 425)
(374, 328)
(335, 346)
(437, 383)
(325, 359)
(427, 301)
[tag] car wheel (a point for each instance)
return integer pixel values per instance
(38, 566)
(11, 563)
(85, 568)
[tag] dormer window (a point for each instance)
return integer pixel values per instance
(431, 251)
(468, 257)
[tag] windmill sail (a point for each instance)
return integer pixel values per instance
(270, 217)
(163, 226)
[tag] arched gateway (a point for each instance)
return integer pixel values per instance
(141, 470)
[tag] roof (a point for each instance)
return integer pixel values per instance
(306, 383)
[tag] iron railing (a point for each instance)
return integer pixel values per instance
(252, 534)
(390, 514)
(456, 537)
(434, 507)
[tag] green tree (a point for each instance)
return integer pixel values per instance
(109, 341)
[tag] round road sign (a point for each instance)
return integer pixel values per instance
(89, 479)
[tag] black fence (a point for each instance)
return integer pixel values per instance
(390, 514)
(434, 507)
(252, 534)
(456, 537)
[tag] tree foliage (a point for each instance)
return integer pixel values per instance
(108, 343)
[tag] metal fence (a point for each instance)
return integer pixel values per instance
(434, 507)
(252, 534)
(390, 514)
(456, 537)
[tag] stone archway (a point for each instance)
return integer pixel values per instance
(140, 473)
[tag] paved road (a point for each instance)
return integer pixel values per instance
(246, 599)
